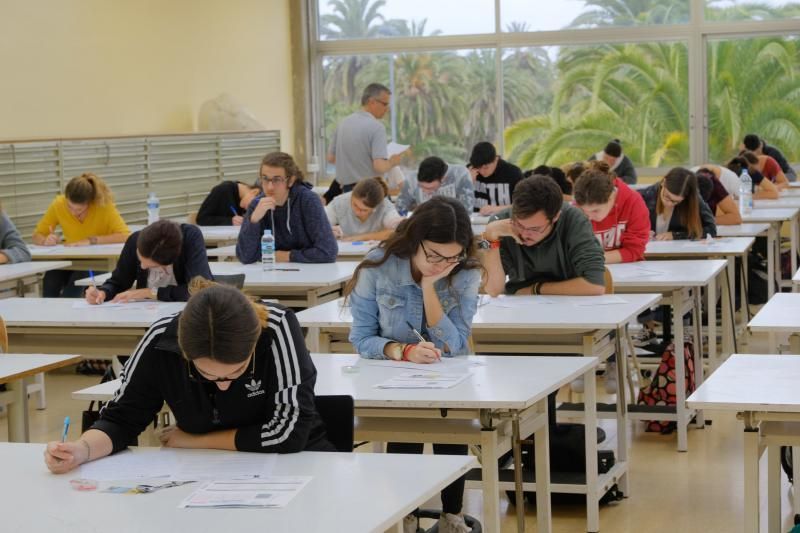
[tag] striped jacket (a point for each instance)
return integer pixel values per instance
(271, 406)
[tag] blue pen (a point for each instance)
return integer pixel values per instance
(233, 210)
(91, 276)
(66, 428)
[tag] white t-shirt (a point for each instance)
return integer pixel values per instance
(727, 177)
(341, 214)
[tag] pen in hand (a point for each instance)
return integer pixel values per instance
(66, 429)
(420, 337)
(233, 210)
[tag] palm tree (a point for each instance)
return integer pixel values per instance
(632, 12)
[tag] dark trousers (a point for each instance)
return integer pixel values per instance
(61, 283)
(453, 494)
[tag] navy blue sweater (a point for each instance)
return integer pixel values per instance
(191, 262)
(301, 227)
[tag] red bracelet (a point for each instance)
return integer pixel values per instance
(406, 350)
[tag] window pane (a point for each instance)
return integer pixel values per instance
(539, 15)
(589, 95)
(442, 102)
(373, 19)
(750, 10)
(763, 98)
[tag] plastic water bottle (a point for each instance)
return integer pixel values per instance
(745, 193)
(267, 250)
(153, 206)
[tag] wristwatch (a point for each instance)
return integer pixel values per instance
(486, 244)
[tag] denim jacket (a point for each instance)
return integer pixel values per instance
(386, 297)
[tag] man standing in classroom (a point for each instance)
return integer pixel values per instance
(358, 146)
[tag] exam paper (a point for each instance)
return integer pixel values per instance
(270, 492)
(130, 306)
(394, 148)
(451, 365)
(589, 301)
(510, 302)
(423, 380)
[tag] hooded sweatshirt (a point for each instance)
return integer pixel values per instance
(627, 226)
(623, 167)
(299, 226)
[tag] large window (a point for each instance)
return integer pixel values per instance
(540, 15)
(724, 10)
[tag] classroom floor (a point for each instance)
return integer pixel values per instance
(697, 491)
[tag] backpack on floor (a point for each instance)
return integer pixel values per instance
(662, 389)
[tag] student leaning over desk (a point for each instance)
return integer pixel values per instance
(12, 247)
(293, 212)
(87, 215)
(161, 259)
(676, 209)
(235, 374)
(425, 276)
(365, 213)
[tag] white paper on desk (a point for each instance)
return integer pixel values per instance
(510, 302)
(608, 299)
(133, 305)
(394, 148)
(201, 467)
(639, 273)
(127, 465)
(423, 380)
(270, 492)
(450, 365)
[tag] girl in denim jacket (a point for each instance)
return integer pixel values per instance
(425, 276)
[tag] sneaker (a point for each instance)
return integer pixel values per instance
(453, 523)
(410, 523)
(645, 338)
(611, 377)
(577, 385)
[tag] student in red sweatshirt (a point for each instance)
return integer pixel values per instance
(620, 219)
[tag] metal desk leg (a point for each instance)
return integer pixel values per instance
(680, 370)
(751, 481)
(795, 242)
(622, 406)
(711, 311)
(590, 441)
(795, 475)
(774, 488)
(542, 452)
(312, 340)
(698, 353)
(490, 480)
(772, 268)
(18, 412)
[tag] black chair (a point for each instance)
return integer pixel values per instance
(338, 415)
(234, 280)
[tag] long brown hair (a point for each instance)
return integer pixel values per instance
(441, 220)
(219, 322)
(371, 191)
(88, 188)
(682, 182)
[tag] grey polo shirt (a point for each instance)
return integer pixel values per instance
(359, 138)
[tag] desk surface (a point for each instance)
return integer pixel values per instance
(780, 203)
(17, 366)
(699, 248)
(346, 249)
(302, 275)
(211, 234)
(97, 251)
(21, 270)
(780, 313)
(665, 274)
(349, 492)
(58, 312)
(500, 382)
(743, 230)
(751, 382)
(522, 312)
(770, 215)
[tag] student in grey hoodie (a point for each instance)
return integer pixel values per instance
(12, 247)
(437, 178)
(292, 211)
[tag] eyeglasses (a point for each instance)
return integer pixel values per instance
(385, 104)
(274, 180)
(202, 377)
(436, 259)
(523, 229)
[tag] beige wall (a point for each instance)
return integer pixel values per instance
(71, 68)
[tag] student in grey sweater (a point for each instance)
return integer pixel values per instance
(437, 178)
(12, 247)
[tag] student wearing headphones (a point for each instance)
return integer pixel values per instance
(87, 215)
(293, 212)
(161, 259)
(235, 374)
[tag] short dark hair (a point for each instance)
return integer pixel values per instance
(752, 142)
(705, 183)
(431, 169)
(482, 154)
(373, 90)
(535, 194)
(555, 173)
(613, 148)
(161, 242)
(594, 187)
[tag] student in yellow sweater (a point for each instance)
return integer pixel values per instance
(87, 215)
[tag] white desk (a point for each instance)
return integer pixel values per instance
(349, 492)
(781, 314)
(212, 235)
(348, 251)
(681, 284)
(25, 277)
(480, 220)
(776, 217)
(51, 325)
(14, 368)
(100, 257)
(743, 230)
(293, 284)
(764, 389)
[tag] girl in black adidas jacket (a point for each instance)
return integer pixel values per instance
(236, 375)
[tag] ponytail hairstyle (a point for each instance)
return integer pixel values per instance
(682, 182)
(88, 188)
(220, 323)
(441, 220)
(284, 161)
(161, 242)
(371, 191)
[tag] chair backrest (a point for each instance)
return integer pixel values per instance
(191, 218)
(609, 281)
(3, 336)
(338, 415)
(235, 280)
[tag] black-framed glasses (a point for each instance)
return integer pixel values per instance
(524, 229)
(436, 258)
(199, 377)
(274, 180)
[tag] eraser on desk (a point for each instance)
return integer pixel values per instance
(83, 485)
(350, 369)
